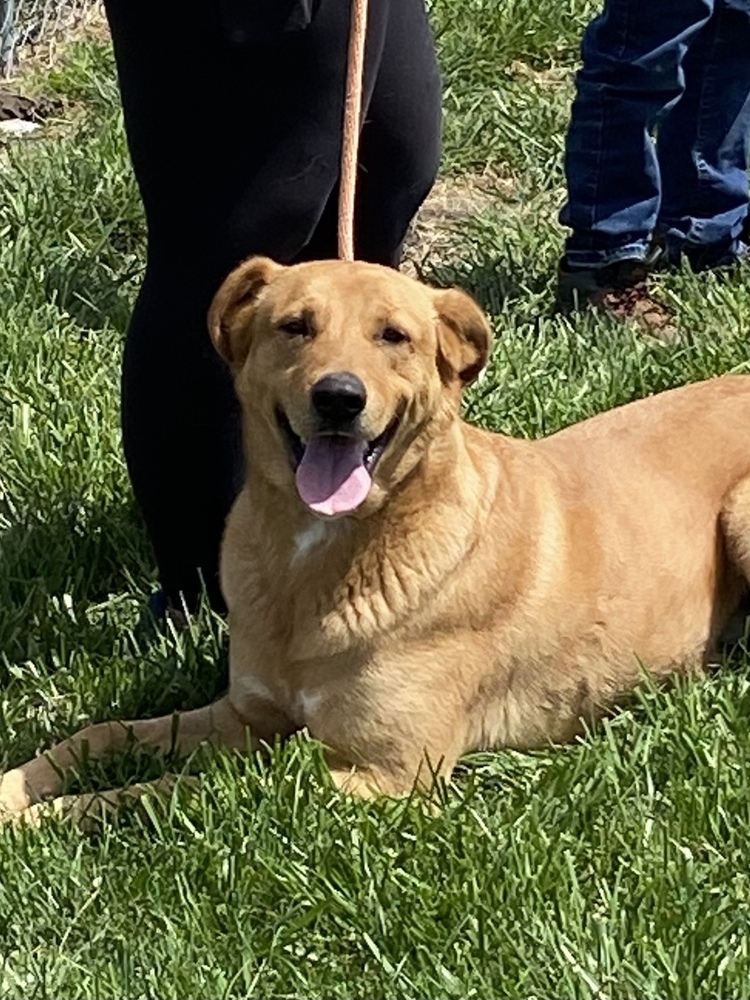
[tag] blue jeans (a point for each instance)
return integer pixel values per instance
(679, 69)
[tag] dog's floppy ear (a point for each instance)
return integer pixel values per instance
(229, 318)
(464, 337)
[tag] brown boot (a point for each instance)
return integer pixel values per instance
(619, 289)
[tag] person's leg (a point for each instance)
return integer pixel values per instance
(631, 74)
(703, 144)
(181, 429)
(400, 151)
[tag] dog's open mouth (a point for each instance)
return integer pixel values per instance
(334, 471)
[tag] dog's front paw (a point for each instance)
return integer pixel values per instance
(15, 795)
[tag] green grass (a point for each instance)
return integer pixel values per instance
(617, 867)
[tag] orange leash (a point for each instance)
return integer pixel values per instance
(352, 124)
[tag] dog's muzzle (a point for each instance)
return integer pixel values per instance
(335, 466)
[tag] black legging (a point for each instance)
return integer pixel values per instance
(235, 144)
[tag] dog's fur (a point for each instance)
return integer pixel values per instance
(488, 591)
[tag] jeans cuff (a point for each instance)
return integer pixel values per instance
(592, 260)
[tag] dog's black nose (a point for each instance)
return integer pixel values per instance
(339, 398)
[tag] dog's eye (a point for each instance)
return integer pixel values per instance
(392, 335)
(296, 327)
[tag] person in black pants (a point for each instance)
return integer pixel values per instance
(233, 112)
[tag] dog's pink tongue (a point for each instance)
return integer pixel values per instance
(332, 478)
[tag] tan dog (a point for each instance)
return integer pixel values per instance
(409, 587)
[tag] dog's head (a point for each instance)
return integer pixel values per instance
(346, 371)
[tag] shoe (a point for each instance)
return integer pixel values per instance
(620, 290)
(157, 616)
(706, 256)
(161, 610)
(716, 256)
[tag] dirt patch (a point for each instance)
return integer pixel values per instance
(451, 203)
(553, 78)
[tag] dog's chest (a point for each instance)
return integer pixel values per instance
(306, 705)
(309, 538)
(302, 706)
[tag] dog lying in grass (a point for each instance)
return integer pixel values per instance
(409, 587)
